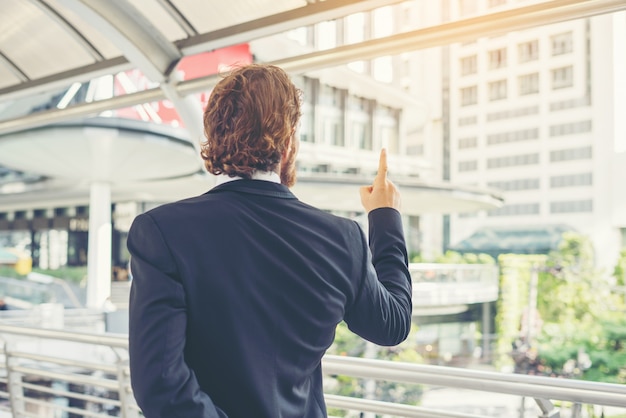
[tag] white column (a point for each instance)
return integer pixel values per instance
(100, 240)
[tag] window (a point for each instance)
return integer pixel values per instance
(309, 91)
(571, 180)
(561, 43)
(361, 115)
(570, 128)
(513, 136)
(355, 29)
(468, 120)
(562, 77)
(512, 160)
(570, 154)
(497, 90)
(326, 34)
(469, 96)
(387, 123)
(528, 51)
(528, 84)
(471, 165)
(571, 206)
(331, 109)
(516, 210)
(513, 113)
(468, 65)
(515, 185)
(470, 142)
(497, 58)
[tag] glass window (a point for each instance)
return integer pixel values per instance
(383, 21)
(469, 96)
(361, 125)
(571, 206)
(583, 153)
(383, 69)
(516, 209)
(306, 128)
(561, 43)
(387, 123)
(326, 34)
(471, 165)
(470, 142)
(468, 65)
(497, 90)
(562, 77)
(528, 51)
(571, 180)
(497, 58)
(528, 84)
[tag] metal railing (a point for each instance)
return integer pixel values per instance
(436, 285)
(87, 375)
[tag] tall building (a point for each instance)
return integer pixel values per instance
(540, 115)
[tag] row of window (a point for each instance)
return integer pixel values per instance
(570, 128)
(565, 206)
(556, 182)
(526, 84)
(570, 154)
(516, 136)
(561, 43)
(534, 110)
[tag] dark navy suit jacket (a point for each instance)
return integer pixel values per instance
(236, 295)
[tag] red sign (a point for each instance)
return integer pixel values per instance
(189, 68)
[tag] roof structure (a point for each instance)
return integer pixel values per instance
(48, 46)
(513, 240)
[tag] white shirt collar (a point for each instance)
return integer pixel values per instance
(257, 175)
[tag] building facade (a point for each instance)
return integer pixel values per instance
(539, 115)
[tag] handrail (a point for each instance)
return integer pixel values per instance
(111, 340)
(513, 384)
(18, 362)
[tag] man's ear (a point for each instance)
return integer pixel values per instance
(287, 150)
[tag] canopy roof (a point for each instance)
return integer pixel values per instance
(540, 239)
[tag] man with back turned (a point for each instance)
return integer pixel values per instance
(236, 293)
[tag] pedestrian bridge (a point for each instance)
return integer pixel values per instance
(48, 372)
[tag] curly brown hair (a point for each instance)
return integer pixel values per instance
(250, 117)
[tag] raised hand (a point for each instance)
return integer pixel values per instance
(382, 193)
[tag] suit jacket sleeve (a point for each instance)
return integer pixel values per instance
(381, 312)
(163, 384)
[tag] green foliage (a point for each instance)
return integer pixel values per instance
(583, 333)
(620, 269)
(515, 274)
(349, 344)
(9, 271)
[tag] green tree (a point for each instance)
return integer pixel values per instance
(583, 332)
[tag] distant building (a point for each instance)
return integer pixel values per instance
(540, 114)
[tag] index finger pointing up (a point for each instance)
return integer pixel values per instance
(382, 166)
